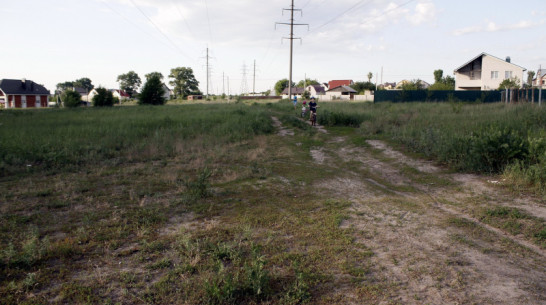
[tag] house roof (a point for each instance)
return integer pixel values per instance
(81, 91)
(342, 89)
(336, 83)
(484, 54)
(22, 87)
(122, 93)
(295, 90)
(318, 88)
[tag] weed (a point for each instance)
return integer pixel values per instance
(200, 186)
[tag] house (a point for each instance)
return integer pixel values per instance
(388, 86)
(341, 93)
(22, 93)
(83, 92)
(486, 72)
(194, 97)
(295, 91)
(315, 90)
(400, 84)
(540, 79)
(167, 92)
(336, 83)
(120, 94)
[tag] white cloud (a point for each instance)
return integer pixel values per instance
(492, 27)
(424, 12)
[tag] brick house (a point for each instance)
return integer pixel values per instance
(22, 93)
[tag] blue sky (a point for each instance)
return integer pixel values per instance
(53, 41)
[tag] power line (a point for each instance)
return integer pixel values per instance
(134, 24)
(208, 19)
(338, 16)
(183, 18)
(388, 11)
(159, 30)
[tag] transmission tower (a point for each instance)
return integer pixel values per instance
(292, 9)
(244, 85)
(209, 68)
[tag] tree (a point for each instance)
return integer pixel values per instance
(442, 83)
(530, 77)
(64, 86)
(85, 83)
(71, 98)
(438, 76)
(103, 98)
(281, 85)
(307, 82)
(360, 87)
(152, 91)
(184, 82)
(415, 84)
(158, 74)
(129, 82)
(370, 75)
(509, 83)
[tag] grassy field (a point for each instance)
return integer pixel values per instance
(212, 204)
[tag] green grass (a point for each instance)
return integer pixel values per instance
(197, 204)
(58, 138)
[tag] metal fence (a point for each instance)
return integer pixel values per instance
(400, 96)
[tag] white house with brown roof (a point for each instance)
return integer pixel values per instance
(486, 72)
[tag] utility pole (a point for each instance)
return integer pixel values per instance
(228, 93)
(208, 73)
(539, 83)
(223, 84)
(291, 38)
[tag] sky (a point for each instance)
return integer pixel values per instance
(54, 41)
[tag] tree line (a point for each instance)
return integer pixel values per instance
(152, 93)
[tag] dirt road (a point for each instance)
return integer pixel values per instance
(430, 231)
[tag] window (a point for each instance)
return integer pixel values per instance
(494, 74)
(38, 102)
(471, 74)
(507, 74)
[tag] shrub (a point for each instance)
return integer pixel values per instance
(103, 98)
(71, 98)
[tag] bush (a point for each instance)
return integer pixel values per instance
(152, 92)
(71, 98)
(103, 98)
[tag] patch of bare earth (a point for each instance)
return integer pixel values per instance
(281, 130)
(418, 253)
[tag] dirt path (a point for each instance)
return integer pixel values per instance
(417, 220)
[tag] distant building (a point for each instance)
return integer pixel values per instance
(295, 91)
(486, 72)
(341, 93)
(336, 83)
(22, 93)
(540, 79)
(315, 90)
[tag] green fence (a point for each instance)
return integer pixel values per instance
(399, 96)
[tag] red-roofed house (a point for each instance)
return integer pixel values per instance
(338, 83)
(120, 94)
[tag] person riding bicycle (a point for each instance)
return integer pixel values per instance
(312, 107)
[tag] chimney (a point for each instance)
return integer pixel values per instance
(508, 59)
(24, 83)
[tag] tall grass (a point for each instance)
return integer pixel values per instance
(483, 138)
(65, 137)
